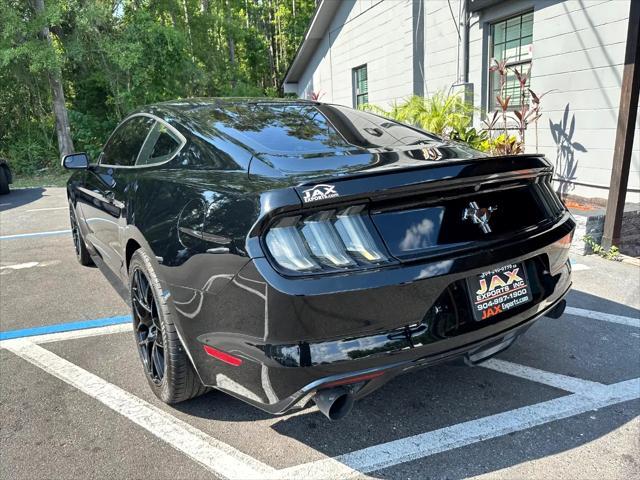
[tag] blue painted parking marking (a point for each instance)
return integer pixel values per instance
(64, 327)
(34, 234)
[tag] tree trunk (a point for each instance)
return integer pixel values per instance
(63, 129)
(230, 43)
(273, 48)
(232, 59)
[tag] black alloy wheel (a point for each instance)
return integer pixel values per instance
(82, 254)
(148, 327)
(167, 367)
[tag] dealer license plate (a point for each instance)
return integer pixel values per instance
(499, 290)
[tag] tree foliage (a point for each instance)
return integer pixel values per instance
(115, 55)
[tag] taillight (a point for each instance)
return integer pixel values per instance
(330, 240)
(565, 241)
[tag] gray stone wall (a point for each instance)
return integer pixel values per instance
(593, 226)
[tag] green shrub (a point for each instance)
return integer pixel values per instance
(445, 115)
(612, 253)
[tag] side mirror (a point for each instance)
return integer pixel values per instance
(75, 161)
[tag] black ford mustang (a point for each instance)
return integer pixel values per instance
(283, 251)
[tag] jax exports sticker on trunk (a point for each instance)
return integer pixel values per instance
(499, 290)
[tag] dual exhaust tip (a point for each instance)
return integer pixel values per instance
(334, 403)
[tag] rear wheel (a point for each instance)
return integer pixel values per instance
(82, 254)
(4, 181)
(166, 365)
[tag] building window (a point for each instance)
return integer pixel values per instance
(360, 86)
(511, 40)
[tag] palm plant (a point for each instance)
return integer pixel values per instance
(446, 115)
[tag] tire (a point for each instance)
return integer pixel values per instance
(4, 181)
(82, 254)
(176, 380)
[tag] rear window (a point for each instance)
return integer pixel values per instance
(303, 128)
(278, 128)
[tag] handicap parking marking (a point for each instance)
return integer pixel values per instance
(606, 317)
(78, 334)
(70, 334)
(35, 234)
(64, 327)
(217, 457)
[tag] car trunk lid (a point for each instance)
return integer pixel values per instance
(425, 207)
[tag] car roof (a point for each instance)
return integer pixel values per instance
(183, 107)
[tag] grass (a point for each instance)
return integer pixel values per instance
(55, 178)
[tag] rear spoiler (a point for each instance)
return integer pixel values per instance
(478, 173)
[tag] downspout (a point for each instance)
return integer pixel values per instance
(464, 40)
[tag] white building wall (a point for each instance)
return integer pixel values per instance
(375, 33)
(578, 54)
(441, 45)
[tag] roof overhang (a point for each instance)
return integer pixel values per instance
(321, 20)
(475, 5)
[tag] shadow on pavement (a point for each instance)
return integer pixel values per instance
(446, 395)
(579, 299)
(20, 197)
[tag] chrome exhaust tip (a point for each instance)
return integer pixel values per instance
(334, 403)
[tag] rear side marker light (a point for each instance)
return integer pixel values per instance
(326, 241)
(222, 356)
(356, 379)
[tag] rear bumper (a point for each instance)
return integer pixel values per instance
(297, 336)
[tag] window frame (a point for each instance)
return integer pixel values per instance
(492, 104)
(170, 127)
(169, 132)
(354, 79)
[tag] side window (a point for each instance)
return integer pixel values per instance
(511, 40)
(360, 86)
(160, 146)
(123, 146)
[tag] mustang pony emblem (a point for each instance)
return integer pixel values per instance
(319, 192)
(479, 216)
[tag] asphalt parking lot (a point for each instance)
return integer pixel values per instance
(563, 402)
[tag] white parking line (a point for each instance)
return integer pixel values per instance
(419, 446)
(218, 457)
(46, 209)
(578, 267)
(34, 234)
(563, 382)
(224, 460)
(607, 317)
(71, 335)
